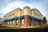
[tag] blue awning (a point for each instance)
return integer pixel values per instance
(16, 18)
(22, 17)
(10, 19)
(30, 17)
(4, 20)
(35, 18)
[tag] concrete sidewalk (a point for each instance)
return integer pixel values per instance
(30, 27)
(44, 26)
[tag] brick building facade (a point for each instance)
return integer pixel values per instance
(23, 18)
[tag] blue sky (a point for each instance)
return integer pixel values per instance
(9, 5)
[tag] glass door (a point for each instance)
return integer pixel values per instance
(30, 22)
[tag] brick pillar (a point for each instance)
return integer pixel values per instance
(18, 21)
(26, 19)
(32, 21)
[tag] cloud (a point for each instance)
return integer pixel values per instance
(13, 4)
(1, 15)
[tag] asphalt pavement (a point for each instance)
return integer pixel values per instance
(25, 30)
(9, 29)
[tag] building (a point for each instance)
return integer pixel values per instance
(23, 18)
(0, 20)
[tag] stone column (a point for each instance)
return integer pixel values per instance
(26, 19)
(32, 21)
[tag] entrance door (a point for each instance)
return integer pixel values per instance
(30, 22)
(39, 22)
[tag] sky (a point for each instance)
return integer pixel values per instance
(9, 5)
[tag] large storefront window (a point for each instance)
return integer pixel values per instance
(39, 22)
(30, 22)
(21, 22)
(16, 22)
(34, 22)
(8, 22)
(11, 22)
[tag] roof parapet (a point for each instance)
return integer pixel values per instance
(26, 7)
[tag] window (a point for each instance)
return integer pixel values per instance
(39, 23)
(22, 21)
(35, 22)
(8, 22)
(17, 22)
(11, 22)
(36, 14)
(11, 14)
(30, 22)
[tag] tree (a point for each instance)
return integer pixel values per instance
(44, 20)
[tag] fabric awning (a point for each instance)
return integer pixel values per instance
(16, 18)
(22, 17)
(35, 18)
(30, 17)
(4, 20)
(10, 19)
